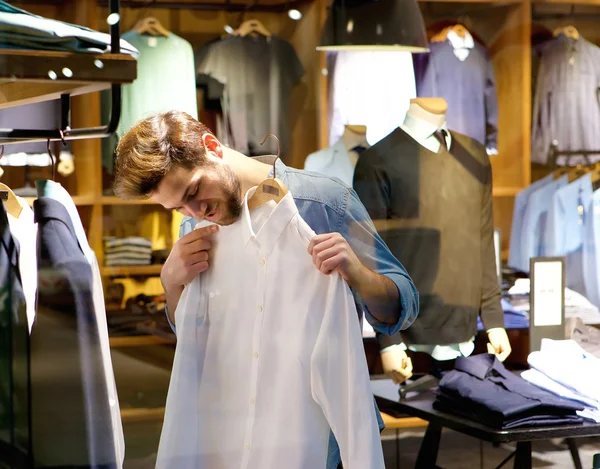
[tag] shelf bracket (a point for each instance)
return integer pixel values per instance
(12, 136)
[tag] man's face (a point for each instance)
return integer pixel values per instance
(212, 192)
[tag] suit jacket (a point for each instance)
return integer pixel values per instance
(14, 347)
(69, 404)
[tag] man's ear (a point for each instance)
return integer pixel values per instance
(212, 145)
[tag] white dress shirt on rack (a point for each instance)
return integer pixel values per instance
(59, 193)
(269, 357)
(372, 89)
(24, 229)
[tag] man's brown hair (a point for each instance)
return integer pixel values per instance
(152, 147)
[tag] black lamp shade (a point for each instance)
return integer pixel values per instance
(374, 25)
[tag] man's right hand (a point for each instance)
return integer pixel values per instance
(188, 258)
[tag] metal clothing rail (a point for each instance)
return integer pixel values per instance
(215, 6)
(12, 136)
(555, 153)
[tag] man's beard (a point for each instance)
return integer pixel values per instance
(232, 191)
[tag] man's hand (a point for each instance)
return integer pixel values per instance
(396, 364)
(331, 252)
(188, 258)
(499, 344)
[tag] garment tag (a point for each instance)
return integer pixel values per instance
(152, 41)
(547, 300)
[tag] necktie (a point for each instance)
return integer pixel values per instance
(358, 149)
(440, 136)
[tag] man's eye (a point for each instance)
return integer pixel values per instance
(193, 194)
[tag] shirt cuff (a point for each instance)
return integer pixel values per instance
(493, 329)
(169, 320)
(389, 348)
(409, 302)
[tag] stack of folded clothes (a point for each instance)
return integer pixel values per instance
(132, 250)
(480, 388)
(565, 369)
(23, 30)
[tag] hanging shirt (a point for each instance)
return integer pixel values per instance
(24, 229)
(372, 89)
(535, 222)
(258, 74)
(591, 252)
(521, 202)
(468, 86)
(566, 109)
(245, 369)
(58, 193)
(420, 195)
(165, 81)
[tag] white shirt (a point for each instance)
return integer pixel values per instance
(269, 357)
(370, 88)
(565, 362)
(24, 229)
(462, 45)
(59, 193)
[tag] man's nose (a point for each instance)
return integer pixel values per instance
(197, 209)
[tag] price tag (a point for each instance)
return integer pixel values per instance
(547, 300)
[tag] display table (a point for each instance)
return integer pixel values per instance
(421, 405)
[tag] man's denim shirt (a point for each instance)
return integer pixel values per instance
(327, 205)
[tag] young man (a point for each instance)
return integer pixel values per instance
(176, 161)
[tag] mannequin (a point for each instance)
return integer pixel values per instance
(426, 116)
(340, 159)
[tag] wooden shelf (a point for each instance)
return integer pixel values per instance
(77, 199)
(142, 415)
(30, 76)
(112, 200)
(504, 191)
(138, 341)
(131, 270)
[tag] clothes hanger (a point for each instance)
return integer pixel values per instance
(578, 171)
(271, 188)
(252, 27)
(13, 207)
(151, 26)
(568, 31)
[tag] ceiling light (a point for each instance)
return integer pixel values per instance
(295, 14)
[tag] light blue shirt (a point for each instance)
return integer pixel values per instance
(564, 232)
(521, 201)
(328, 205)
(591, 253)
(535, 222)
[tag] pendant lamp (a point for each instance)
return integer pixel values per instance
(374, 25)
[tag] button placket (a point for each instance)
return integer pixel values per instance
(259, 308)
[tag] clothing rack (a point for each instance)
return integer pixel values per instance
(36, 66)
(538, 15)
(555, 153)
(218, 6)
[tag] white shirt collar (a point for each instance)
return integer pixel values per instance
(460, 42)
(266, 223)
(422, 132)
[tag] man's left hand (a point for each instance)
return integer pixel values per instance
(499, 344)
(331, 252)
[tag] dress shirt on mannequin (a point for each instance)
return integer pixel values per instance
(425, 117)
(340, 159)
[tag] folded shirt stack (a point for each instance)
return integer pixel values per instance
(480, 388)
(23, 30)
(565, 369)
(132, 250)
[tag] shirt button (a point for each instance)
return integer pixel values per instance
(247, 446)
(262, 262)
(255, 354)
(260, 309)
(252, 401)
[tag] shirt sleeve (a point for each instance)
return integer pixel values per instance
(342, 387)
(491, 314)
(372, 251)
(491, 106)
